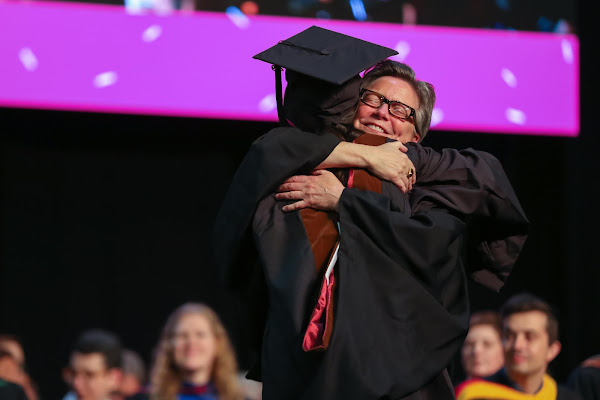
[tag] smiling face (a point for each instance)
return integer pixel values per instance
(482, 353)
(527, 346)
(194, 344)
(89, 377)
(379, 121)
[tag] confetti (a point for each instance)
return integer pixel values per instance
(28, 59)
(152, 33)
(105, 79)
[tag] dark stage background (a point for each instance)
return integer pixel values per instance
(106, 222)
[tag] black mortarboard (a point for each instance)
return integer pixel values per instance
(320, 67)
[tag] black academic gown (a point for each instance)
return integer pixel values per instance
(472, 185)
(401, 310)
(402, 306)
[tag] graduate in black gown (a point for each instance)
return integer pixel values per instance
(400, 304)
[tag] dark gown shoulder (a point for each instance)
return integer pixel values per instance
(11, 391)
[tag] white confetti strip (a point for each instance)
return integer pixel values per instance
(509, 78)
(28, 59)
(403, 49)
(268, 103)
(105, 79)
(567, 51)
(437, 116)
(515, 116)
(152, 33)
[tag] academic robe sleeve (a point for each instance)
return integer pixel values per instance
(274, 157)
(402, 306)
(473, 185)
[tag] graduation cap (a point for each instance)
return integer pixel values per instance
(322, 68)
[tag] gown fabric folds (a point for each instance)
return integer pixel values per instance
(401, 306)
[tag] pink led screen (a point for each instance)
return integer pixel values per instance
(69, 56)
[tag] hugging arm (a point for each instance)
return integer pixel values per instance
(272, 158)
(387, 161)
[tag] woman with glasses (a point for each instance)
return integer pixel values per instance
(396, 118)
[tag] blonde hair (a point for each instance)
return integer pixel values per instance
(166, 378)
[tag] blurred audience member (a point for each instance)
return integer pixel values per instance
(194, 359)
(94, 371)
(530, 339)
(12, 366)
(134, 374)
(11, 377)
(9, 368)
(482, 352)
(12, 345)
(585, 379)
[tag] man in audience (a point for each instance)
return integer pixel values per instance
(94, 371)
(530, 339)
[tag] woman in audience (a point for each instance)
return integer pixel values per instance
(194, 359)
(482, 352)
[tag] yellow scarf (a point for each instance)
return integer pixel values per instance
(479, 389)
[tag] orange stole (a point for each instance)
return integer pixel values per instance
(320, 227)
(323, 237)
(360, 178)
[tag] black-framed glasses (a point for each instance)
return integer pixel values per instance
(396, 108)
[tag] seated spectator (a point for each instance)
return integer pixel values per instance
(585, 379)
(11, 345)
(482, 352)
(11, 378)
(134, 374)
(530, 339)
(194, 359)
(94, 371)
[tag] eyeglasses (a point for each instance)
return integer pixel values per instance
(396, 108)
